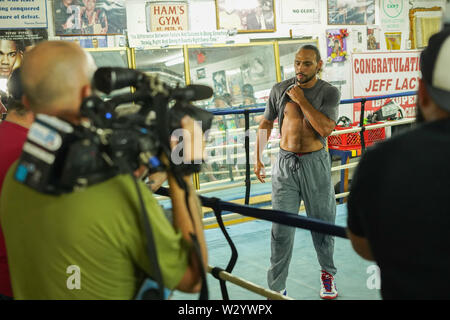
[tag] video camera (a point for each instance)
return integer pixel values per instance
(59, 157)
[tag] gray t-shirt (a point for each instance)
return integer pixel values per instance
(323, 97)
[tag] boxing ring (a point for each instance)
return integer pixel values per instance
(239, 209)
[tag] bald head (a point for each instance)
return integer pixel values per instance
(56, 77)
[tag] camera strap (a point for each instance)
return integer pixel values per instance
(150, 294)
(204, 294)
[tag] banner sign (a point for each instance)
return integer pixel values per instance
(384, 73)
(23, 14)
(167, 16)
(169, 38)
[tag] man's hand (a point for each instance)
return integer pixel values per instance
(155, 180)
(259, 166)
(296, 94)
(262, 136)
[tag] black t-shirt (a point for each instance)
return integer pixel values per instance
(400, 202)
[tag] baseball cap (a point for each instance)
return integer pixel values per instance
(434, 64)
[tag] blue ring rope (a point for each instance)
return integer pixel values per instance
(277, 216)
(255, 108)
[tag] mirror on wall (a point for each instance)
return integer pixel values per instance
(167, 63)
(241, 77)
(288, 51)
(111, 58)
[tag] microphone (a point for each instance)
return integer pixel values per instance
(192, 92)
(107, 79)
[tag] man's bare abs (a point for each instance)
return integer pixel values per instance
(297, 135)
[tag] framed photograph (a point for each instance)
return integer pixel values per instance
(234, 80)
(355, 12)
(89, 17)
(246, 16)
(219, 82)
(201, 73)
(373, 38)
(245, 72)
(337, 45)
(393, 40)
(423, 23)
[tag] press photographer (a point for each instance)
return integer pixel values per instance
(92, 241)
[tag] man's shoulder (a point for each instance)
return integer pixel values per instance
(325, 85)
(283, 85)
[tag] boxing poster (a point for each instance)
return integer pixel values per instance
(89, 17)
(13, 43)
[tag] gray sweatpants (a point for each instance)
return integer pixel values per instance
(294, 178)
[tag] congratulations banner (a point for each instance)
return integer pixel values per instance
(384, 73)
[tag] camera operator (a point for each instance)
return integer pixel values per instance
(91, 244)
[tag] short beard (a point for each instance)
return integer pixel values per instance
(303, 81)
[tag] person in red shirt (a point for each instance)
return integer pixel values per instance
(13, 133)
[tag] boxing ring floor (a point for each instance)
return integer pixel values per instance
(252, 240)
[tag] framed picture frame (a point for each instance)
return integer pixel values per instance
(246, 17)
(337, 45)
(220, 82)
(350, 12)
(201, 73)
(89, 17)
(234, 81)
(423, 22)
(373, 38)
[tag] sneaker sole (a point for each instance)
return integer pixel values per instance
(329, 297)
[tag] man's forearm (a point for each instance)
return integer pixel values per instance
(181, 216)
(320, 122)
(262, 136)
